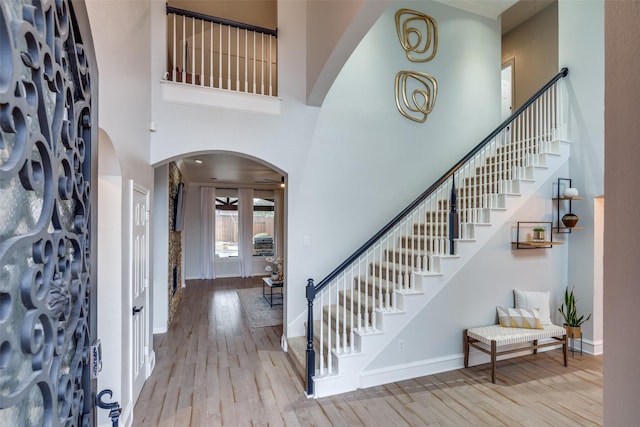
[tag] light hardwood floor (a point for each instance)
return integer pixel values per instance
(213, 369)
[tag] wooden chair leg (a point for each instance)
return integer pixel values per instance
(493, 361)
(535, 346)
(465, 345)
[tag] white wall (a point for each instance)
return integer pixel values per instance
(121, 36)
(581, 49)
(334, 29)
(356, 162)
(110, 313)
(160, 267)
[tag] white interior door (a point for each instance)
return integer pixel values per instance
(139, 295)
(507, 88)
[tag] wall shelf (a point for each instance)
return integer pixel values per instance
(561, 205)
(525, 235)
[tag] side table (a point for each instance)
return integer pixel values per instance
(269, 296)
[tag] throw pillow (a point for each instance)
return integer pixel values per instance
(538, 300)
(528, 318)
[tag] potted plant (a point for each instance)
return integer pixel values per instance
(538, 234)
(569, 311)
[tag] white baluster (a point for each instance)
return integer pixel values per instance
(262, 64)
(321, 349)
(202, 52)
(337, 311)
(220, 58)
(228, 58)
(270, 66)
(173, 59)
(359, 294)
(380, 302)
(329, 333)
(193, 51)
(344, 314)
(184, 49)
(211, 53)
(366, 290)
(246, 61)
(389, 274)
(254, 63)
(237, 59)
(352, 320)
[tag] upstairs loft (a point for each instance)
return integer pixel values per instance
(220, 63)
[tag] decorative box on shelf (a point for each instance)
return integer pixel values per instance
(534, 235)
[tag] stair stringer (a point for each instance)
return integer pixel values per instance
(351, 368)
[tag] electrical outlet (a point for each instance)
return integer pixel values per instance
(401, 345)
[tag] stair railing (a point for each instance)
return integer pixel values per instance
(365, 285)
(219, 53)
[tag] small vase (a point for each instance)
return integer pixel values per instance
(570, 193)
(274, 276)
(570, 220)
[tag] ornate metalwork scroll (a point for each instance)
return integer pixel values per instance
(423, 89)
(45, 222)
(418, 35)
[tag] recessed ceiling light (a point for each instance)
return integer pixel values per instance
(198, 161)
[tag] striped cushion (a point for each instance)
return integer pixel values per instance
(504, 336)
(528, 318)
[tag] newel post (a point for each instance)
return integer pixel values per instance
(454, 232)
(311, 354)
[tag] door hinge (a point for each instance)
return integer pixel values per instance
(147, 215)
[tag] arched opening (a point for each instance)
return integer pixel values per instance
(224, 178)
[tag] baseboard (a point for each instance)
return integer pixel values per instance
(151, 364)
(410, 370)
(160, 330)
(594, 348)
(126, 418)
(436, 365)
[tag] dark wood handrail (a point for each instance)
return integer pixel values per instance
(324, 282)
(222, 21)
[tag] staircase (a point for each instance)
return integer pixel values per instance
(363, 304)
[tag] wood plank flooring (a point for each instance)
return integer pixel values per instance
(212, 369)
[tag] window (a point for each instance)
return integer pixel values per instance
(227, 227)
(263, 230)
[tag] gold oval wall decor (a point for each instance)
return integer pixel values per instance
(418, 35)
(423, 90)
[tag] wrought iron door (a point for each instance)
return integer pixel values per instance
(46, 156)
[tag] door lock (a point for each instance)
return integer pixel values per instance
(137, 310)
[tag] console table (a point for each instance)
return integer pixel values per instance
(269, 295)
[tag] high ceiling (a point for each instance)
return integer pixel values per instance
(233, 171)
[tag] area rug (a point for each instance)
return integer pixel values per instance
(257, 310)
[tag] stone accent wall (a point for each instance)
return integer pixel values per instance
(175, 245)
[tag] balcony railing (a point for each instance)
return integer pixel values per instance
(218, 53)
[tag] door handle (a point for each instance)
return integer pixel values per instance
(137, 310)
